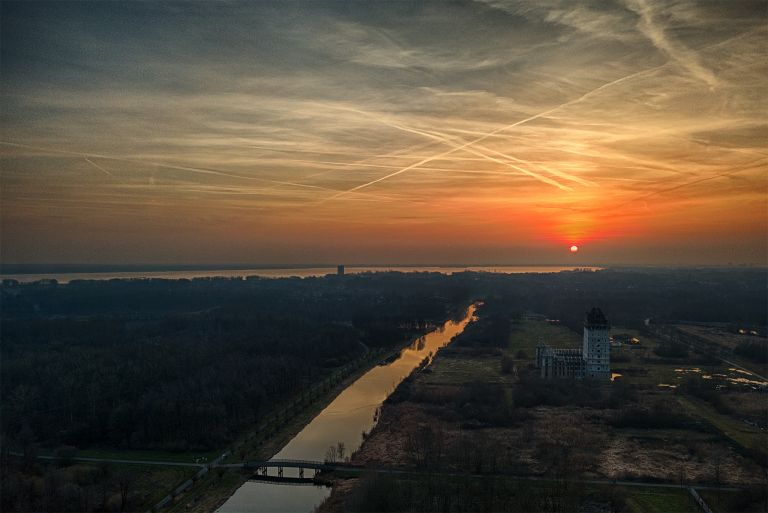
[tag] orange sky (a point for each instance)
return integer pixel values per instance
(480, 132)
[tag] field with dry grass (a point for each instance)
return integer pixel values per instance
(433, 422)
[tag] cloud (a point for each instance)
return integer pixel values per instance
(651, 26)
(461, 114)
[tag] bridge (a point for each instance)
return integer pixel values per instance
(262, 469)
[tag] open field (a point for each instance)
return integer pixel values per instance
(748, 437)
(527, 334)
(660, 500)
(457, 367)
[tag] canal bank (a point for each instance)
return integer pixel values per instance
(214, 491)
(209, 495)
(341, 424)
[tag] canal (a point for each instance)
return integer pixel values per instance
(344, 421)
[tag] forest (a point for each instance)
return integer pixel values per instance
(183, 365)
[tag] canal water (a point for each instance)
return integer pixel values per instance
(343, 420)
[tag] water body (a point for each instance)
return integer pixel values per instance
(275, 273)
(344, 420)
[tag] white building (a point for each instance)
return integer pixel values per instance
(594, 360)
(596, 348)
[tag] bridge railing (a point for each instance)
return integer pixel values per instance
(287, 463)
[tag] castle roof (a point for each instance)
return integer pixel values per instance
(595, 317)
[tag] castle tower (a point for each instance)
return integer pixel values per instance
(596, 349)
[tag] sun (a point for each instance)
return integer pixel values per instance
(574, 248)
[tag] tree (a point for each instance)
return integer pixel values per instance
(125, 480)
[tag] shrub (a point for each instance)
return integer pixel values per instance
(755, 350)
(671, 350)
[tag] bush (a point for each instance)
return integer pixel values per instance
(755, 350)
(486, 404)
(65, 455)
(671, 350)
(532, 391)
(705, 390)
(658, 416)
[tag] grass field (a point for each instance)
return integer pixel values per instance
(660, 500)
(117, 454)
(149, 483)
(744, 435)
(154, 482)
(727, 502)
(528, 334)
(207, 494)
(450, 370)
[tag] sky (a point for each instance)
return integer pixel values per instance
(489, 131)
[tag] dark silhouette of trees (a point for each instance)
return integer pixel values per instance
(188, 365)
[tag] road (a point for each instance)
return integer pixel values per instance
(392, 471)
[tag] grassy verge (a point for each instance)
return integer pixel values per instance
(741, 434)
(660, 500)
(118, 454)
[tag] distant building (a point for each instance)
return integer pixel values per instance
(592, 361)
(340, 270)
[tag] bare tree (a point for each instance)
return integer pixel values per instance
(330, 454)
(125, 480)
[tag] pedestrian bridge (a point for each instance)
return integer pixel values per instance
(302, 471)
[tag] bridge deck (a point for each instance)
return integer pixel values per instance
(306, 464)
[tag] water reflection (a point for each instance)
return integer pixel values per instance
(353, 412)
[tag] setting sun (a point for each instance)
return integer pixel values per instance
(574, 248)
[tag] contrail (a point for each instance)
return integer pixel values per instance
(446, 140)
(94, 164)
(360, 162)
(160, 164)
(656, 33)
(171, 166)
(498, 130)
(195, 170)
(559, 174)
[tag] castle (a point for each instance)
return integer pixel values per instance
(593, 360)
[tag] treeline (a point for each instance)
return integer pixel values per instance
(629, 296)
(90, 364)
